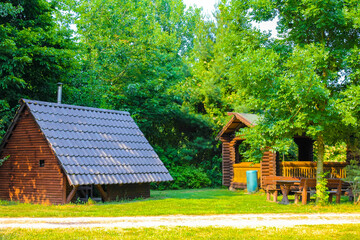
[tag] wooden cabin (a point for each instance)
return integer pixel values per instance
(59, 153)
(234, 169)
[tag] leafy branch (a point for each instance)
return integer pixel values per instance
(3, 160)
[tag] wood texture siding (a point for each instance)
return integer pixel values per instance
(21, 176)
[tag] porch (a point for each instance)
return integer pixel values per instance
(300, 169)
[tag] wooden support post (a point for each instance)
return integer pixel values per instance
(71, 194)
(102, 192)
(304, 194)
(275, 196)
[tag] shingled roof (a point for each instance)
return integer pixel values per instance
(239, 120)
(97, 146)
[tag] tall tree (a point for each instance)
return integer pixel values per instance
(134, 56)
(298, 94)
(212, 89)
(35, 54)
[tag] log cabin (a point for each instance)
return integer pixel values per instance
(59, 153)
(234, 168)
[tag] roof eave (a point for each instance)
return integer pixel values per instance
(12, 125)
(241, 118)
(234, 116)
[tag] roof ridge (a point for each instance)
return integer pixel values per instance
(89, 123)
(70, 130)
(28, 101)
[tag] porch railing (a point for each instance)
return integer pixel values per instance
(308, 169)
(241, 168)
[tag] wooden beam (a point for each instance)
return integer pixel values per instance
(71, 194)
(102, 192)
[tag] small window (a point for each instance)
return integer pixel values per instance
(42, 163)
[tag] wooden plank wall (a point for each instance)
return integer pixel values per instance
(21, 177)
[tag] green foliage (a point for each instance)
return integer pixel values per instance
(322, 195)
(186, 177)
(133, 57)
(333, 153)
(178, 74)
(90, 201)
(297, 82)
(35, 54)
(353, 176)
(3, 160)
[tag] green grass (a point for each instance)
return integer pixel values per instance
(321, 232)
(186, 202)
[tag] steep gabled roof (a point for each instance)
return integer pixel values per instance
(238, 120)
(97, 146)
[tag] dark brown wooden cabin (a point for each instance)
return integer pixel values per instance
(234, 170)
(58, 153)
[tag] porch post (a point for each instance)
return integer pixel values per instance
(103, 194)
(72, 193)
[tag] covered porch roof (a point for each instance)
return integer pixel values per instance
(238, 120)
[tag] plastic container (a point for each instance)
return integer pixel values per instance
(251, 181)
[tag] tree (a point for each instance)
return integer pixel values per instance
(297, 90)
(133, 57)
(35, 54)
(212, 89)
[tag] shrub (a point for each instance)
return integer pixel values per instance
(90, 201)
(185, 177)
(353, 176)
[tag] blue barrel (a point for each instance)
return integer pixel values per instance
(251, 181)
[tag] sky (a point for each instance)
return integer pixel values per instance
(207, 5)
(208, 8)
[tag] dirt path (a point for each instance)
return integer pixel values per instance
(235, 220)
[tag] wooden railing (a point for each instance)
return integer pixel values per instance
(308, 169)
(241, 168)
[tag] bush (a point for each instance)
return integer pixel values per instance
(353, 176)
(90, 202)
(185, 177)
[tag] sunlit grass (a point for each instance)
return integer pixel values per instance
(186, 202)
(321, 232)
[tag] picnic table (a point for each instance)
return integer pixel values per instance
(285, 186)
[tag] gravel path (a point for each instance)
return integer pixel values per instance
(235, 220)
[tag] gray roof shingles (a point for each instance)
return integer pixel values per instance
(98, 146)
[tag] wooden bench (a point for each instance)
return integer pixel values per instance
(347, 191)
(308, 186)
(271, 188)
(335, 188)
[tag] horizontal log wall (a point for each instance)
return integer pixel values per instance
(21, 177)
(226, 162)
(268, 165)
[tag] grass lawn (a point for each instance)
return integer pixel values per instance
(321, 232)
(186, 202)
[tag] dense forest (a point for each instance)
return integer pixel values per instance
(178, 72)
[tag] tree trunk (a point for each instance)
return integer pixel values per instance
(320, 164)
